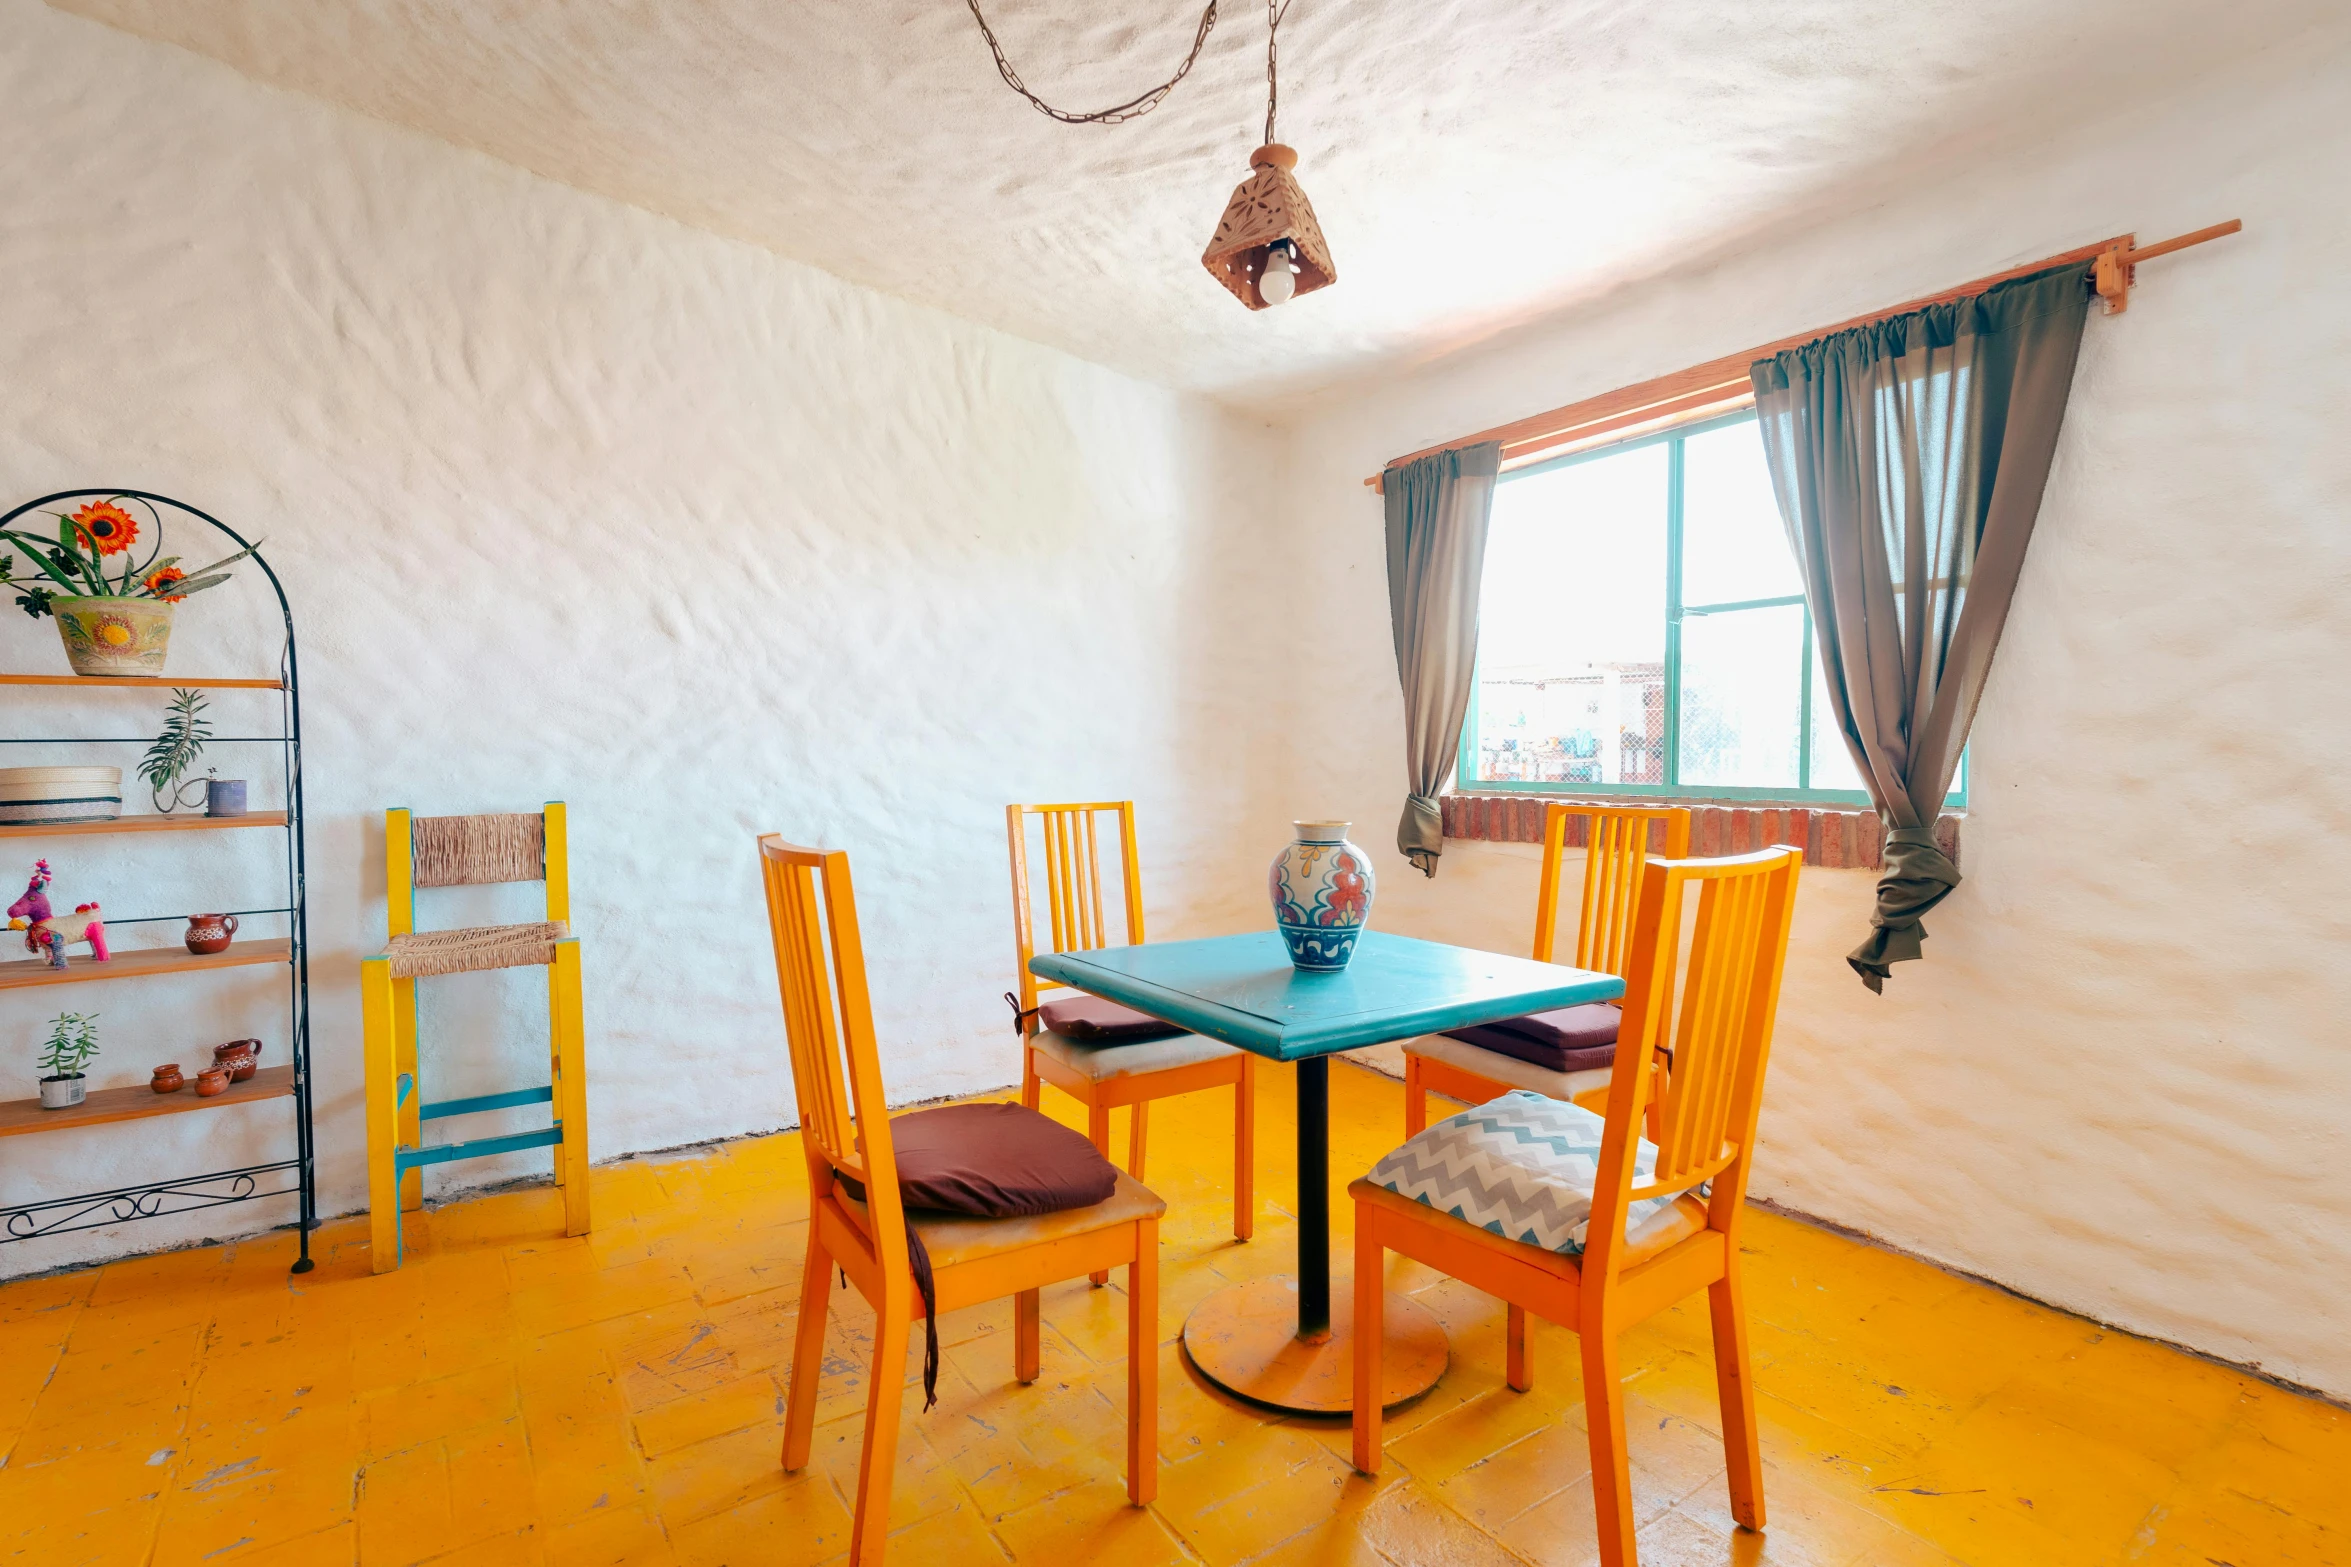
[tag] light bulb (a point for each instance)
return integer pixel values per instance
(1279, 280)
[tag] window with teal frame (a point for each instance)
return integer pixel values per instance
(1642, 631)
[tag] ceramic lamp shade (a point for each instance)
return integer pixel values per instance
(1266, 208)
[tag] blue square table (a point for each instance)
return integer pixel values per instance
(1242, 990)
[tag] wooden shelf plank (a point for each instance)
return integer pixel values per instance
(143, 824)
(136, 965)
(151, 682)
(19, 1117)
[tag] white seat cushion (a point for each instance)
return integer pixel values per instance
(1520, 1166)
(1493, 1065)
(1104, 1062)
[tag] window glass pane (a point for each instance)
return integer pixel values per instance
(1832, 764)
(1733, 546)
(1742, 677)
(1571, 625)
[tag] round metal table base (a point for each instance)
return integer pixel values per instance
(1245, 1340)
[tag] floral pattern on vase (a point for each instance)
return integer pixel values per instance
(1322, 888)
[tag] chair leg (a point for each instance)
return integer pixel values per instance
(1245, 1151)
(877, 1463)
(1098, 1133)
(1370, 1337)
(571, 1085)
(411, 1119)
(1138, 1132)
(1514, 1353)
(1031, 1085)
(1416, 1098)
(1734, 1379)
(377, 1033)
(1612, 1479)
(1026, 1315)
(816, 1293)
(1143, 1365)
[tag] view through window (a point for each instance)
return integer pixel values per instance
(1642, 630)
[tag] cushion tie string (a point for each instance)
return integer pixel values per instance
(1020, 1016)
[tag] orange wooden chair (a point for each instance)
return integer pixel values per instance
(1610, 1227)
(1104, 1076)
(846, 1133)
(1616, 845)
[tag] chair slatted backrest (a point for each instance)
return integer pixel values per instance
(1616, 846)
(1715, 1033)
(828, 1016)
(1077, 914)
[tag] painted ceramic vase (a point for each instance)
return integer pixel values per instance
(114, 636)
(1322, 888)
(167, 1079)
(210, 1082)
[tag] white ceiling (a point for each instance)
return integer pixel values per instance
(1474, 163)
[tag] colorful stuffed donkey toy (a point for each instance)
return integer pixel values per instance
(49, 933)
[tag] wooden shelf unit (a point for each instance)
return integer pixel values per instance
(287, 1170)
(81, 968)
(147, 682)
(143, 824)
(22, 1117)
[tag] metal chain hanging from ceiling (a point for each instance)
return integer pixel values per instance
(1131, 109)
(1273, 27)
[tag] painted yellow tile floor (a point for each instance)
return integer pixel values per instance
(513, 1397)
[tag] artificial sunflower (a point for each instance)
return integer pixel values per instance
(159, 581)
(109, 528)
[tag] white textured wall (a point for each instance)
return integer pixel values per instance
(574, 502)
(2121, 1079)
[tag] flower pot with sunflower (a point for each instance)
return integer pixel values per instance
(114, 636)
(113, 608)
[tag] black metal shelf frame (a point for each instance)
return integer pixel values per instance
(20, 1221)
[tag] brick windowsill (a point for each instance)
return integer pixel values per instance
(1832, 836)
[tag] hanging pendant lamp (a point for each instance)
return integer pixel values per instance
(1268, 249)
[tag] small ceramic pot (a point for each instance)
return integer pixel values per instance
(224, 796)
(240, 1058)
(212, 1080)
(167, 1079)
(113, 636)
(63, 1093)
(1322, 889)
(210, 933)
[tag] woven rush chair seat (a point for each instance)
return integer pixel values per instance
(424, 954)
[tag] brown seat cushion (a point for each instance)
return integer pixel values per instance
(1095, 1021)
(993, 1161)
(1565, 1039)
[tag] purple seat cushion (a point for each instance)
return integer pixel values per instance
(1565, 1039)
(1095, 1021)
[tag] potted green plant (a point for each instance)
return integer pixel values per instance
(73, 1044)
(185, 730)
(113, 609)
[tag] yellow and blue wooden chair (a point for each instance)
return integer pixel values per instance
(468, 851)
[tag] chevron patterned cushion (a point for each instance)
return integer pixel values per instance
(1521, 1166)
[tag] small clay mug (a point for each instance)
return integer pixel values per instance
(239, 1058)
(167, 1079)
(212, 1080)
(224, 797)
(210, 933)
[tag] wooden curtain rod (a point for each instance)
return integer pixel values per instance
(1720, 385)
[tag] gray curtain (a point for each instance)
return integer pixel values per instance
(1909, 456)
(1437, 512)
